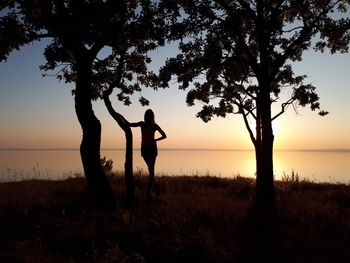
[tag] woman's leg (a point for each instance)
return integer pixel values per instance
(150, 161)
(154, 183)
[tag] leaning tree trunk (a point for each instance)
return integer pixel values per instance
(128, 165)
(98, 184)
(264, 151)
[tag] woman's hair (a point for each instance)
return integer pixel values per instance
(149, 116)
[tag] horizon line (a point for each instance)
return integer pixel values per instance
(176, 149)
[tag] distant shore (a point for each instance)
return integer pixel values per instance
(183, 149)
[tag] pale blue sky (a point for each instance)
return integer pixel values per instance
(37, 112)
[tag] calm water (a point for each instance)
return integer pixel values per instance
(320, 166)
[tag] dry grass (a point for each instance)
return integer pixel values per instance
(195, 219)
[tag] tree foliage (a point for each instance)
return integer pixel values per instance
(13, 33)
(114, 35)
(230, 49)
(236, 57)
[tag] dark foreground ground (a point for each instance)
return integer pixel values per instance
(195, 219)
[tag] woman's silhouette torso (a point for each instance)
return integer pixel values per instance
(149, 149)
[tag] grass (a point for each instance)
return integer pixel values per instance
(195, 219)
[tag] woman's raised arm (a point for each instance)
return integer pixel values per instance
(135, 124)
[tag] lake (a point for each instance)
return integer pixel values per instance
(318, 166)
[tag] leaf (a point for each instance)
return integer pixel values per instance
(143, 101)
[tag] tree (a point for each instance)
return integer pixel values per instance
(239, 55)
(126, 70)
(128, 165)
(117, 77)
(81, 32)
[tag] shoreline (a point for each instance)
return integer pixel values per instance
(345, 150)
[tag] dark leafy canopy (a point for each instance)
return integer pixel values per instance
(12, 31)
(114, 36)
(232, 50)
(98, 45)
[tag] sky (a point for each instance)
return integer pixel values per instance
(38, 112)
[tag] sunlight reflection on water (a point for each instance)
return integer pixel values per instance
(315, 165)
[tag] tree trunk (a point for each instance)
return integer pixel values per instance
(98, 184)
(264, 151)
(128, 165)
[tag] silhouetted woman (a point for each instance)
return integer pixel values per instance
(149, 149)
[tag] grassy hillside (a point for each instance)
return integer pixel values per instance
(195, 219)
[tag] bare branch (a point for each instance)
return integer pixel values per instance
(284, 107)
(251, 134)
(58, 72)
(293, 29)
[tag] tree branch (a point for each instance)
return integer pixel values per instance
(305, 32)
(96, 47)
(283, 106)
(251, 134)
(293, 29)
(122, 122)
(119, 74)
